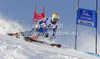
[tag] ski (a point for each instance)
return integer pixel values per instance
(42, 42)
(10, 34)
(14, 34)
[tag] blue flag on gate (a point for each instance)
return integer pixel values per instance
(86, 17)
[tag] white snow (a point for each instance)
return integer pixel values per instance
(8, 26)
(12, 48)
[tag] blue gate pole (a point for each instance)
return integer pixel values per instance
(96, 28)
(76, 28)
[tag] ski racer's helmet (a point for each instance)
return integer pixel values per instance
(55, 18)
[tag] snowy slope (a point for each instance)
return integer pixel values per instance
(12, 48)
(9, 26)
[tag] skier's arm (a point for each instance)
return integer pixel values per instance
(43, 20)
(41, 23)
(54, 32)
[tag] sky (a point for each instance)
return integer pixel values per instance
(67, 9)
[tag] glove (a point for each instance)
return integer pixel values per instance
(43, 25)
(52, 38)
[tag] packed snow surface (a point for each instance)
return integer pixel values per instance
(12, 48)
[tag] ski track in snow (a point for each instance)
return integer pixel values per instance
(12, 48)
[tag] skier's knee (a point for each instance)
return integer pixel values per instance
(46, 35)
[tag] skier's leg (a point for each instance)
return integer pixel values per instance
(46, 34)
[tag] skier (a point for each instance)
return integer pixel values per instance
(46, 24)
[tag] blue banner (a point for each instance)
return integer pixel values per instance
(86, 17)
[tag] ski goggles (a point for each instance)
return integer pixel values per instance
(55, 19)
